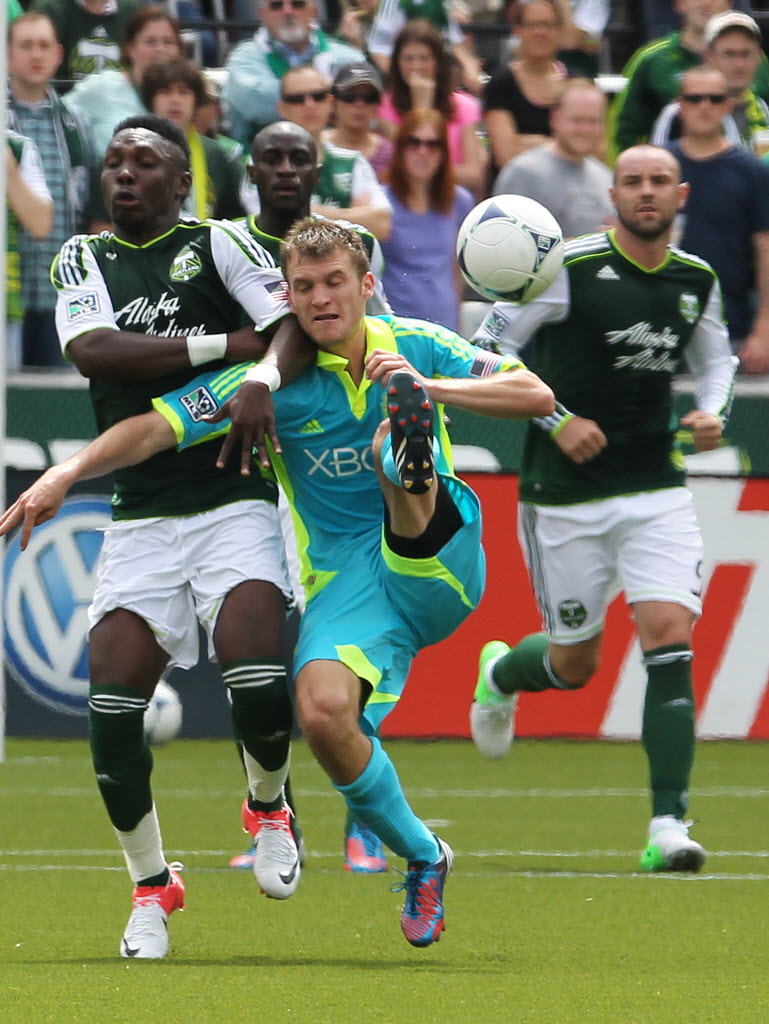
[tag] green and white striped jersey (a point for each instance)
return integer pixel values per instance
(198, 278)
(608, 337)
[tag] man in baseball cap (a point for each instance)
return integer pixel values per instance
(357, 73)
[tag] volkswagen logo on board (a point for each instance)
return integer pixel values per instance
(48, 589)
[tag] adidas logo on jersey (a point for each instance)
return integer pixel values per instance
(607, 274)
(311, 427)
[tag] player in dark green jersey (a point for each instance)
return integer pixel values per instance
(602, 482)
(138, 310)
(378, 590)
(284, 171)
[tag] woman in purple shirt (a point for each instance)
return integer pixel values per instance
(421, 277)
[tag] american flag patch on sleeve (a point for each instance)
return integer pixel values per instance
(485, 363)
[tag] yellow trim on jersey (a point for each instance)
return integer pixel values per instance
(646, 270)
(378, 335)
(424, 568)
(354, 658)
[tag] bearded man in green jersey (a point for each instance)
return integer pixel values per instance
(141, 309)
(602, 482)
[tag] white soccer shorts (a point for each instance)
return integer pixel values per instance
(175, 572)
(581, 556)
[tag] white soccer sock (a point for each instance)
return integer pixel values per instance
(143, 848)
(263, 785)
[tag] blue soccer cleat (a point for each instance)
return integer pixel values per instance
(422, 918)
(363, 852)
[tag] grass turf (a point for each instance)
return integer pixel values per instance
(548, 918)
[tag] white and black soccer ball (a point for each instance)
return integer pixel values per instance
(163, 717)
(510, 248)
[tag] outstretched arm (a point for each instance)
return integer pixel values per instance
(509, 394)
(127, 443)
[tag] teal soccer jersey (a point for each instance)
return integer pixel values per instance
(367, 606)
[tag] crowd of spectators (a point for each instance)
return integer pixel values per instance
(417, 111)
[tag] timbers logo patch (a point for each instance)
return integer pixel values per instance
(689, 307)
(186, 265)
(199, 403)
(572, 613)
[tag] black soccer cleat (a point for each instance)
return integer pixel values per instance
(411, 428)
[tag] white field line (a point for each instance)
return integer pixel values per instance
(416, 793)
(511, 875)
(336, 854)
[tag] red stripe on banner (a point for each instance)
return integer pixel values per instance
(721, 605)
(580, 713)
(760, 728)
(755, 496)
(439, 692)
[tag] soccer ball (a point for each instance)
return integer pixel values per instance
(163, 717)
(510, 248)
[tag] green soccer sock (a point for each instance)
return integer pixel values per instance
(527, 667)
(121, 755)
(668, 727)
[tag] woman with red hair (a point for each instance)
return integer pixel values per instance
(421, 277)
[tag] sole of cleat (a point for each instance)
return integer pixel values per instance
(411, 425)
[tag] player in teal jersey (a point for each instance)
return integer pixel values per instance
(139, 309)
(284, 171)
(602, 481)
(376, 593)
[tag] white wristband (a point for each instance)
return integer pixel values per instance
(263, 373)
(204, 348)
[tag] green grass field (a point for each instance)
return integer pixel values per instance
(547, 918)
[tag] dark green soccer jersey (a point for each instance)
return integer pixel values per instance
(198, 278)
(608, 337)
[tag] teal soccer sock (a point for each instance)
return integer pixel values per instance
(376, 799)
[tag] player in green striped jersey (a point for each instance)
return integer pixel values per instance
(602, 481)
(139, 310)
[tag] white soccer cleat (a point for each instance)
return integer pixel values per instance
(492, 716)
(670, 848)
(277, 859)
(146, 934)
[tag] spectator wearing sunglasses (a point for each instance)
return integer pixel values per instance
(726, 218)
(357, 93)
(733, 41)
(347, 188)
(428, 207)
(289, 37)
